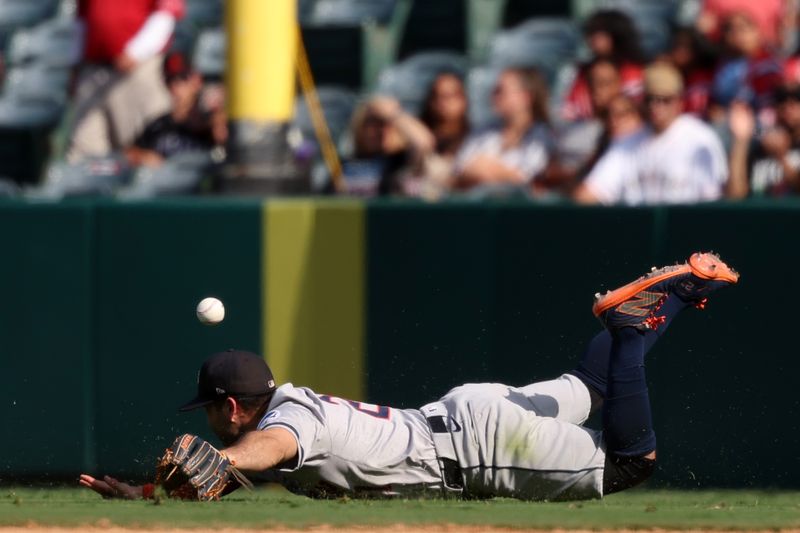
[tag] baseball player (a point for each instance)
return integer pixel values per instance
(478, 441)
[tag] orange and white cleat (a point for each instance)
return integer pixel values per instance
(636, 304)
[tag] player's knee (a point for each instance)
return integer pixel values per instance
(622, 472)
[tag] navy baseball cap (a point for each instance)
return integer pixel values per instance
(231, 373)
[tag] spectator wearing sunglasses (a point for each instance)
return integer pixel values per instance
(773, 160)
(680, 161)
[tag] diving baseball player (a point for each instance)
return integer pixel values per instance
(478, 441)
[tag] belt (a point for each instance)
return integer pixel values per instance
(442, 426)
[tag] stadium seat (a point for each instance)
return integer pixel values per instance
(22, 113)
(37, 84)
(204, 13)
(480, 82)
(20, 13)
(350, 12)
(546, 43)
(54, 43)
(93, 177)
(409, 80)
(209, 53)
(337, 103)
(305, 8)
(179, 175)
(8, 189)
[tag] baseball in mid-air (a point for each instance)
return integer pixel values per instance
(210, 311)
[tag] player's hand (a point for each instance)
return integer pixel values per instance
(108, 487)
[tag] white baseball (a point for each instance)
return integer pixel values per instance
(210, 311)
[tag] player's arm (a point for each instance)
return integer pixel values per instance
(257, 451)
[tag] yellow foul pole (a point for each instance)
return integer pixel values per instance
(260, 81)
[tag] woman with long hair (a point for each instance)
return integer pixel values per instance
(517, 151)
(609, 34)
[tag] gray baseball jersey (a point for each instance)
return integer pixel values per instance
(524, 442)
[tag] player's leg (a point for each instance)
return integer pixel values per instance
(566, 398)
(575, 395)
(593, 366)
(627, 421)
(629, 313)
(685, 288)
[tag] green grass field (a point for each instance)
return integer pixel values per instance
(741, 510)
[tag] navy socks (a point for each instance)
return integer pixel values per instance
(593, 367)
(627, 422)
(613, 367)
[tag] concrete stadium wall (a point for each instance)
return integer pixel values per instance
(393, 302)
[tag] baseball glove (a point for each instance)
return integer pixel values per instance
(192, 469)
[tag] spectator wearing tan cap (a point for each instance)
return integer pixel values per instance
(680, 161)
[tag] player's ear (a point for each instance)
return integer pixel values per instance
(231, 408)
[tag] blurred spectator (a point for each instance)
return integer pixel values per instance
(518, 150)
(695, 58)
(774, 162)
(609, 35)
(187, 127)
(444, 113)
(770, 16)
(750, 72)
(119, 87)
(610, 178)
(680, 161)
(578, 142)
(387, 142)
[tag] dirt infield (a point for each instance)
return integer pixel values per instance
(100, 528)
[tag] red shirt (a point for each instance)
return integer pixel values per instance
(698, 91)
(110, 24)
(768, 14)
(578, 103)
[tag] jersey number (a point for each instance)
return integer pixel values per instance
(377, 411)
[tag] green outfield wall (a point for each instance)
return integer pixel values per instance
(393, 302)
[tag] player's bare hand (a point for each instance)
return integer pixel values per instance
(108, 487)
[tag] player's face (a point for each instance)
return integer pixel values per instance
(221, 423)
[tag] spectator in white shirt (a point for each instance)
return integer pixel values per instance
(681, 160)
(616, 163)
(517, 151)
